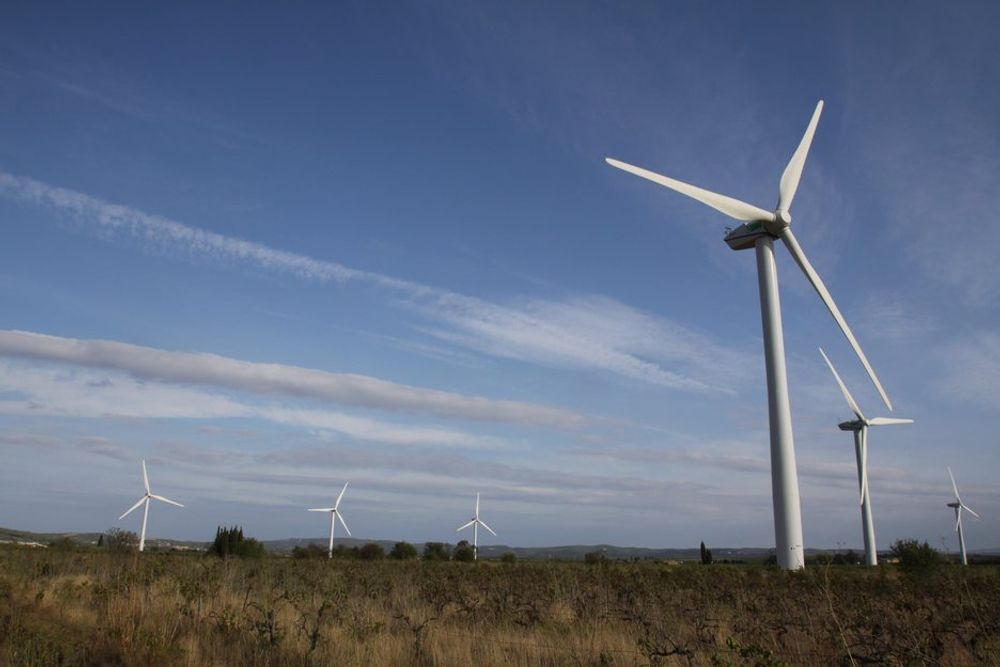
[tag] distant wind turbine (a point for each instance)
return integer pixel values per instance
(476, 522)
(859, 427)
(958, 506)
(334, 516)
(145, 501)
(759, 231)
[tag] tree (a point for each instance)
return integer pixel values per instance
(309, 551)
(121, 541)
(509, 557)
(371, 551)
(914, 556)
(595, 558)
(231, 543)
(706, 555)
(464, 552)
(403, 551)
(436, 551)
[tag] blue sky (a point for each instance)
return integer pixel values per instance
(273, 250)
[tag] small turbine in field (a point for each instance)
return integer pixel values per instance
(958, 506)
(475, 522)
(859, 427)
(145, 501)
(334, 516)
(760, 229)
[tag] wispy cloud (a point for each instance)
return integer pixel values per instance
(971, 367)
(595, 333)
(274, 380)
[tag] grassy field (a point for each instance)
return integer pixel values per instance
(86, 607)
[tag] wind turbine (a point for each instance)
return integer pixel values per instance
(476, 522)
(334, 515)
(958, 505)
(859, 427)
(145, 501)
(759, 230)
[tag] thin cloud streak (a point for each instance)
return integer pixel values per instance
(545, 333)
(150, 364)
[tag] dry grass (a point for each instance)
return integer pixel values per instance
(94, 608)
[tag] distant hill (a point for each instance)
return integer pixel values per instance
(567, 552)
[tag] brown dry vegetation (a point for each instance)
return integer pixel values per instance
(89, 607)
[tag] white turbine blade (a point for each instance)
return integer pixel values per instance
(843, 388)
(464, 526)
(342, 491)
(130, 509)
(790, 178)
(322, 509)
(954, 486)
(145, 477)
(734, 208)
(800, 258)
(971, 511)
(483, 524)
(958, 518)
(166, 500)
(342, 523)
(477, 505)
(887, 421)
(864, 464)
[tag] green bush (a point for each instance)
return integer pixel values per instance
(916, 557)
(403, 551)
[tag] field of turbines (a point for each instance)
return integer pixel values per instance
(87, 607)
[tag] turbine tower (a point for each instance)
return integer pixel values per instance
(476, 522)
(859, 427)
(759, 230)
(149, 495)
(334, 516)
(958, 505)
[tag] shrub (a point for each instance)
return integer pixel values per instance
(436, 551)
(594, 558)
(509, 557)
(914, 556)
(403, 551)
(464, 552)
(121, 541)
(371, 551)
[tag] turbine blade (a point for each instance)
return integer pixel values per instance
(843, 388)
(793, 172)
(477, 505)
(887, 421)
(145, 477)
(130, 509)
(734, 208)
(800, 258)
(954, 486)
(342, 523)
(483, 524)
(864, 464)
(342, 491)
(322, 509)
(166, 500)
(464, 526)
(958, 519)
(971, 511)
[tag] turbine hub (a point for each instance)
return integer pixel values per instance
(784, 218)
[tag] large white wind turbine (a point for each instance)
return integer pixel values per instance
(859, 427)
(759, 230)
(145, 501)
(334, 516)
(958, 505)
(476, 522)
